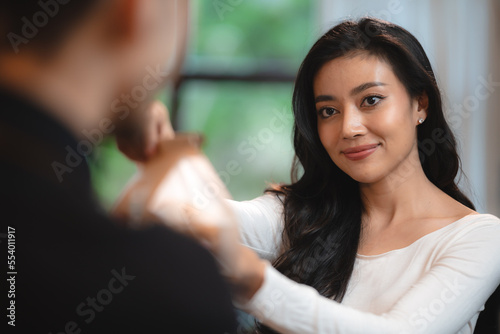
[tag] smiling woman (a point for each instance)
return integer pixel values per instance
(371, 112)
(372, 235)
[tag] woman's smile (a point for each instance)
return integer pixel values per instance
(366, 119)
(360, 152)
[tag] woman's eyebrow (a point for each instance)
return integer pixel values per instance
(366, 85)
(322, 98)
(354, 91)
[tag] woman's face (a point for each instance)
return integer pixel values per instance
(366, 119)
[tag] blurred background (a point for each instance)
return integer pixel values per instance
(241, 60)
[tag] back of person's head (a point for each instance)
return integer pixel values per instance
(40, 25)
(92, 53)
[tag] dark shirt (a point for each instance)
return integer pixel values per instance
(76, 270)
(489, 319)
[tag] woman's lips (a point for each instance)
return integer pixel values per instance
(360, 152)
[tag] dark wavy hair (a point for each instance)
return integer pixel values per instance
(322, 205)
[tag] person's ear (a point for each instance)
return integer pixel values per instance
(122, 21)
(422, 107)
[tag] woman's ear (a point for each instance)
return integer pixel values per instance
(423, 105)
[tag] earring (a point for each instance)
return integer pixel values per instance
(420, 120)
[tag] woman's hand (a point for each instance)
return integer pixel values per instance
(139, 141)
(219, 233)
(210, 221)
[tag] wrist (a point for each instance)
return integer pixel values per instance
(250, 276)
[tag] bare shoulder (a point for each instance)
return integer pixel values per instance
(446, 211)
(456, 210)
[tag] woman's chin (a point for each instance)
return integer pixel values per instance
(365, 177)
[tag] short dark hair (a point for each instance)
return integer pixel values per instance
(39, 24)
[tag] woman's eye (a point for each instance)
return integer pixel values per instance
(371, 100)
(327, 112)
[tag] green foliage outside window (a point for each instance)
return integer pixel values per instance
(246, 124)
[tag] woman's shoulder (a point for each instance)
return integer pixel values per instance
(475, 220)
(267, 202)
(474, 228)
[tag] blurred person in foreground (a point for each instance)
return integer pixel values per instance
(70, 73)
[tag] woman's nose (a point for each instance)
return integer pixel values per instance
(352, 124)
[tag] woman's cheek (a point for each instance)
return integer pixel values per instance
(325, 141)
(325, 132)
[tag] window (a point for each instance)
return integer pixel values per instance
(236, 89)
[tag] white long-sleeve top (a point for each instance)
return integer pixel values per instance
(438, 284)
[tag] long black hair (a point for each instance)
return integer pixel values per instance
(322, 205)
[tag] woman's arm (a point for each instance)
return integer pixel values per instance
(260, 224)
(443, 301)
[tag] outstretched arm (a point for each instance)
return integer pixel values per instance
(443, 301)
(260, 223)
